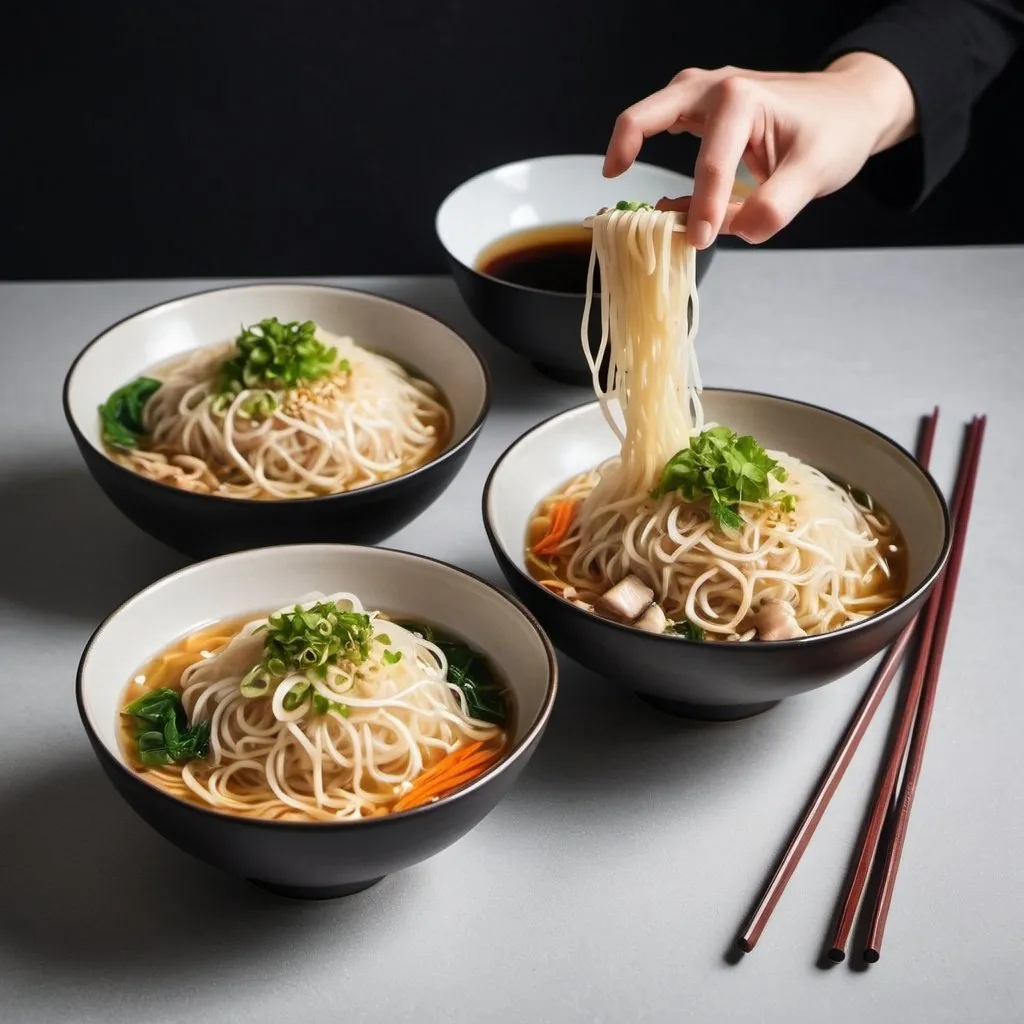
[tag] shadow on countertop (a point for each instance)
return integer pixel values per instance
(87, 888)
(647, 753)
(69, 552)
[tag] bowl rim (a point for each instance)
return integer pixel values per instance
(762, 646)
(156, 487)
(517, 751)
(550, 158)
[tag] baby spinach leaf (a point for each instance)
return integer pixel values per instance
(164, 735)
(471, 672)
(121, 413)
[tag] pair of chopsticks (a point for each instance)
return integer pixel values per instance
(894, 797)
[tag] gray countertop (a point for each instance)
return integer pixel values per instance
(609, 885)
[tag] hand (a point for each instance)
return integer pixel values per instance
(800, 135)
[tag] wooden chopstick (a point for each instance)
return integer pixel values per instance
(915, 758)
(844, 752)
(886, 789)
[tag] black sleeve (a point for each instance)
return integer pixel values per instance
(949, 51)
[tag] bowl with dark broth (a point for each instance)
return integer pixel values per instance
(315, 717)
(275, 414)
(709, 620)
(519, 253)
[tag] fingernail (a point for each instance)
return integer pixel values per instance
(700, 233)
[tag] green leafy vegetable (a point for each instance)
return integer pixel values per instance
(392, 657)
(308, 640)
(316, 637)
(274, 355)
(687, 629)
(321, 705)
(296, 696)
(471, 672)
(632, 205)
(727, 468)
(121, 413)
(164, 735)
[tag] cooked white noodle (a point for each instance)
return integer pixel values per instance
(269, 762)
(828, 559)
(352, 428)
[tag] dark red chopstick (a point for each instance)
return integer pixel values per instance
(843, 754)
(885, 792)
(915, 758)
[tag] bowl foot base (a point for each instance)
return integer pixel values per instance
(707, 712)
(315, 892)
(577, 378)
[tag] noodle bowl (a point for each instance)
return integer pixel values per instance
(692, 530)
(472, 753)
(322, 711)
(360, 419)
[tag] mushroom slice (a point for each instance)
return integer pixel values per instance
(776, 620)
(626, 601)
(653, 620)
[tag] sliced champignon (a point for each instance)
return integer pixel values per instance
(653, 620)
(776, 620)
(626, 601)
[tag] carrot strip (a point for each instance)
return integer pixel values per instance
(453, 771)
(448, 761)
(438, 771)
(561, 520)
(473, 763)
(441, 787)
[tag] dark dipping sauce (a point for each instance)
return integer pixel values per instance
(550, 258)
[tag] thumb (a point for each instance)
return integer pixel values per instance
(775, 202)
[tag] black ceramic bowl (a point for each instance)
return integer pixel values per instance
(202, 525)
(316, 860)
(541, 326)
(719, 681)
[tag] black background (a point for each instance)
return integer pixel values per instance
(245, 137)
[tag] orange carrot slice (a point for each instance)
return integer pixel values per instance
(561, 519)
(458, 768)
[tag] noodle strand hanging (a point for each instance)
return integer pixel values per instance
(692, 529)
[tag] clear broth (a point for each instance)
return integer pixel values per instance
(896, 556)
(166, 670)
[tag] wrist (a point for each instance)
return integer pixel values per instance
(885, 94)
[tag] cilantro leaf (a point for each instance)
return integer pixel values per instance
(725, 516)
(728, 469)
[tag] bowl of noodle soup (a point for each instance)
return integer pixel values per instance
(211, 714)
(714, 550)
(718, 680)
(279, 413)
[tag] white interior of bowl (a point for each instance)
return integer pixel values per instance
(545, 190)
(414, 339)
(264, 580)
(579, 439)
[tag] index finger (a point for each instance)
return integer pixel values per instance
(682, 99)
(652, 115)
